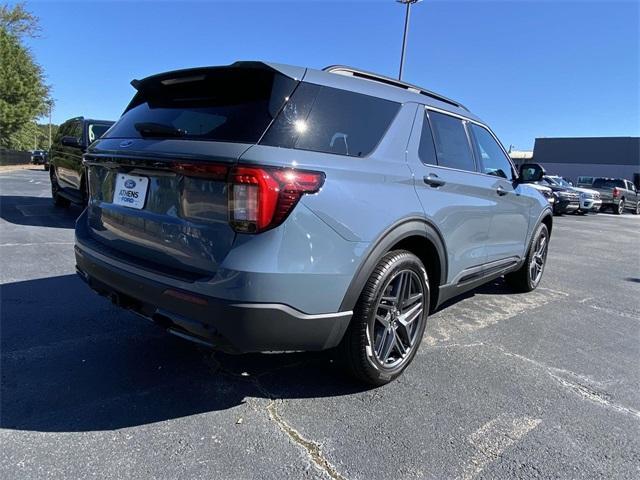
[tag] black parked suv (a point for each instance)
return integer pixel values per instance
(67, 174)
(567, 199)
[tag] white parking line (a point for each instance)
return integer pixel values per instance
(493, 438)
(482, 311)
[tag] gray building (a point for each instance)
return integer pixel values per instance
(590, 156)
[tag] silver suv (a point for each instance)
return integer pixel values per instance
(265, 207)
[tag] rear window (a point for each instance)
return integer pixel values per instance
(325, 119)
(608, 183)
(221, 104)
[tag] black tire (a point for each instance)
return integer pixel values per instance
(58, 200)
(522, 280)
(619, 208)
(359, 352)
(637, 210)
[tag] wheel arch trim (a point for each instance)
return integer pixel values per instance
(405, 228)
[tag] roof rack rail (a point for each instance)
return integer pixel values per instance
(354, 72)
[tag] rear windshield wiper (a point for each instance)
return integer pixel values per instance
(150, 129)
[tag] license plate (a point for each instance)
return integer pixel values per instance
(130, 191)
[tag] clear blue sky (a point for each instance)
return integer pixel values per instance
(529, 68)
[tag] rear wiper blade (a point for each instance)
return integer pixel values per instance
(150, 129)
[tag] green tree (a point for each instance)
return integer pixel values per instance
(23, 92)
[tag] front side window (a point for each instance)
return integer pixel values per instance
(451, 141)
(75, 130)
(492, 159)
(62, 131)
(331, 120)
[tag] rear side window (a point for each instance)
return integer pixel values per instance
(222, 104)
(325, 119)
(427, 149)
(451, 141)
(492, 158)
(96, 130)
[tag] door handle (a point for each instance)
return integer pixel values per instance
(433, 181)
(501, 191)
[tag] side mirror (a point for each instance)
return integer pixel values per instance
(71, 142)
(531, 172)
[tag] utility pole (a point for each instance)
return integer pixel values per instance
(50, 104)
(408, 4)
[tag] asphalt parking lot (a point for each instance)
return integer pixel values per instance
(536, 385)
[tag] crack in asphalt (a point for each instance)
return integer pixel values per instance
(579, 388)
(312, 448)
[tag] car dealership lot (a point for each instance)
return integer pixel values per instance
(533, 385)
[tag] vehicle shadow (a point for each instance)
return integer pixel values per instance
(496, 287)
(73, 362)
(37, 211)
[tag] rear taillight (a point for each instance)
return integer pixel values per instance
(615, 192)
(260, 198)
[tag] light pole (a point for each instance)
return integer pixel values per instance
(408, 4)
(50, 105)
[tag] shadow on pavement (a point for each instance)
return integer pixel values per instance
(495, 287)
(37, 211)
(73, 362)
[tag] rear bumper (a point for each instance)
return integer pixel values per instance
(227, 325)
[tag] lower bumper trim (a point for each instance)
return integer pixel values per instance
(228, 326)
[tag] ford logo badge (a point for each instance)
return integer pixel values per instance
(126, 143)
(129, 184)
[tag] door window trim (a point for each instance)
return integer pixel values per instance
(478, 155)
(516, 175)
(466, 130)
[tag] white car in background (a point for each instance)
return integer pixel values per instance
(590, 200)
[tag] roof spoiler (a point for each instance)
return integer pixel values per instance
(194, 74)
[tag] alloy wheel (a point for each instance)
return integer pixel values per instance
(397, 320)
(538, 259)
(621, 207)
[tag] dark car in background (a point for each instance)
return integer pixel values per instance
(40, 157)
(68, 183)
(617, 194)
(589, 199)
(546, 192)
(567, 199)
